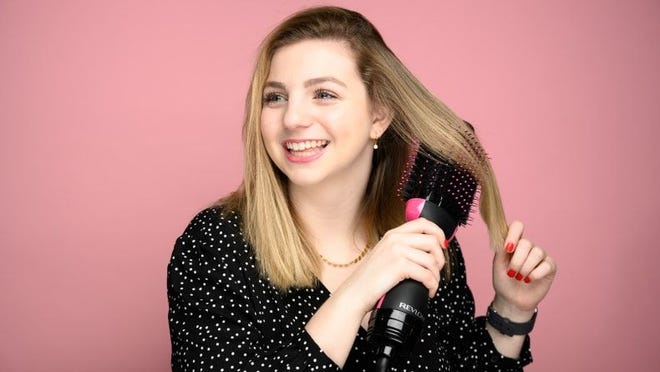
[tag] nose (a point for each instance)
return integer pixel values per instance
(296, 114)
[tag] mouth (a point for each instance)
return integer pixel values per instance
(302, 148)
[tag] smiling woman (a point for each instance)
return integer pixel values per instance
(283, 273)
(317, 121)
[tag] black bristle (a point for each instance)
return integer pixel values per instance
(447, 185)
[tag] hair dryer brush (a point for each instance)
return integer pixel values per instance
(444, 194)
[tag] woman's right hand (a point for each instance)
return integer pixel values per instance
(410, 251)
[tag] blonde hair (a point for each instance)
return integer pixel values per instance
(283, 251)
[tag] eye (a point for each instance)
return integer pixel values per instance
(324, 94)
(273, 97)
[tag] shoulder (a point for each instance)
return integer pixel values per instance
(214, 234)
(214, 221)
(211, 253)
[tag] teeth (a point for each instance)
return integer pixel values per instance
(306, 145)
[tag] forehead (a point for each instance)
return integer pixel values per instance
(310, 59)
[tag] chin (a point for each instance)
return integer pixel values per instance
(306, 181)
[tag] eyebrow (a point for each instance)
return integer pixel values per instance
(308, 83)
(274, 84)
(324, 79)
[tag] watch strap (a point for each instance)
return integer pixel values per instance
(507, 327)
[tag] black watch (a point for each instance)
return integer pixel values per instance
(506, 327)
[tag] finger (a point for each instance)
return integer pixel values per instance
(423, 242)
(423, 226)
(433, 229)
(426, 260)
(516, 229)
(534, 258)
(518, 258)
(428, 244)
(421, 249)
(422, 275)
(547, 267)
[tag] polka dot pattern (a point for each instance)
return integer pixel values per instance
(224, 316)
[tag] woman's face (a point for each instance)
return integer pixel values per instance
(317, 121)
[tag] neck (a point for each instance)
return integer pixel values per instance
(331, 216)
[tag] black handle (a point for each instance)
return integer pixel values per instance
(395, 324)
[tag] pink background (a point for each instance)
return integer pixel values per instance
(121, 119)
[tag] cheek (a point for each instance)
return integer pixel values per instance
(269, 134)
(353, 124)
(267, 128)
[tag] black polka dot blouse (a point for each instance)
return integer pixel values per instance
(224, 316)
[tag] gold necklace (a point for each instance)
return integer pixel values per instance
(353, 261)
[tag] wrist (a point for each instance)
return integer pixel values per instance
(350, 302)
(512, 312)
(519, 326)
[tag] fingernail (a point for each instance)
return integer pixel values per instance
(527, 279)
(445, 244)
(519, 276)
(511, 273)
(509, 247)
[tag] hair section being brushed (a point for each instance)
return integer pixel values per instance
(420, 117)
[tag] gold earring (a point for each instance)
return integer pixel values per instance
(375, 143)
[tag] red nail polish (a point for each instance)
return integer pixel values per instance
(509, 247)
(511, 273)
(519, 276)
(446, 244)
(527, 279)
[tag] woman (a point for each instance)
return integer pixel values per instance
(283, 273)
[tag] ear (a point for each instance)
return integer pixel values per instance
(381, 117)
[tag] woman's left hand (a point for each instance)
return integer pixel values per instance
(522, 275)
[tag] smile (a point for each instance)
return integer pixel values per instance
(304, 151)
(305, 145)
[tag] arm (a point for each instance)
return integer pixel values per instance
(334, 327)
(467, 341)
(212, 315)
